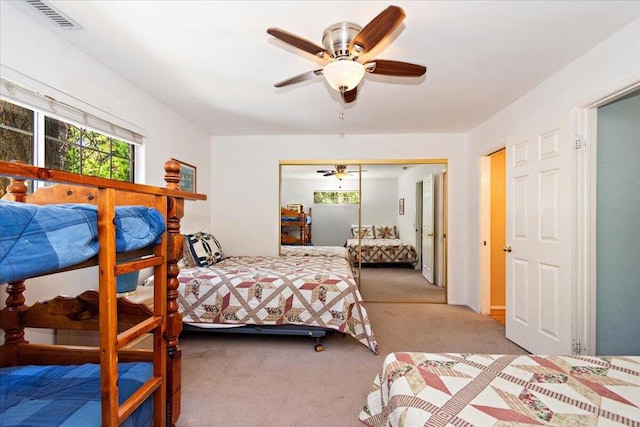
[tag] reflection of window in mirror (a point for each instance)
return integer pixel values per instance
(403, 256)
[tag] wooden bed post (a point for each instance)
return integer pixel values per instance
(175, 211)
(14, 335)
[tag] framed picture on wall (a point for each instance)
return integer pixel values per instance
(188, 176)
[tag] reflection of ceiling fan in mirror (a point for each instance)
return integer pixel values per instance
(339, 172)
(343, 45)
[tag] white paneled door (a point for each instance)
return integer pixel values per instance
(428, 229)
(538, 248)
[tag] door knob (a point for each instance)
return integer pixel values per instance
(507, 248)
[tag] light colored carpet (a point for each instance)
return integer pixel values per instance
(398, 284)
(253, 380)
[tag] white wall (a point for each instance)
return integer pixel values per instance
(603, 69)
(35, 57)
(245, 173)
(379, 201)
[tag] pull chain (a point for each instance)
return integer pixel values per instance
(341, 113)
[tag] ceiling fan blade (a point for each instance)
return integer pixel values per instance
(329, 174)
(394, 68)
(350, 95)
(324, 171)
(300, 78)
(376, 30)
(299, 42)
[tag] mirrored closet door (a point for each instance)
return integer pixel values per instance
(390, 216)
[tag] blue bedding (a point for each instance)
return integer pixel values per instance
(67, 395)
(36, 239)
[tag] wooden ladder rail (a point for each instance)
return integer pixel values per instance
(113, 413)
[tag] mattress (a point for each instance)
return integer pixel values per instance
(296, 290)
(49, 396)
(452, 389)
(59, 236)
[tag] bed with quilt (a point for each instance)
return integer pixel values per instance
(428, 389)
(81, 222)
(380, 245)
(331, 251)
(317, 292)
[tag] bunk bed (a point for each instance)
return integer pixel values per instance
(416, 389)
(295, 227)
(380, 245)
(113, 383)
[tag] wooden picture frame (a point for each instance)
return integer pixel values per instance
(188, 176)
(295, 207)
(401, 206)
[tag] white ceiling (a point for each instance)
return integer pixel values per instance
(214, 63)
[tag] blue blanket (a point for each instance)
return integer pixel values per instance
(36, 239)
(67, 395)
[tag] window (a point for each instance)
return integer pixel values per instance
(61, 145)
(336, 197)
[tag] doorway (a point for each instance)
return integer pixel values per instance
(498, 227)
(493, 234)
(617, 233)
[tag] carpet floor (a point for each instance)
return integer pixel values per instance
(255, 380)
(398, 284)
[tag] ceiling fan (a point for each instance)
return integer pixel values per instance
(344, 43)
(339, 172)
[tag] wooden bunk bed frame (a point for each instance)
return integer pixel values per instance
(300, 223)
(118, 320)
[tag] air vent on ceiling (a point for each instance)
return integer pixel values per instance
(53, 15)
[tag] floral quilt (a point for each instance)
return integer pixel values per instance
(425, 389)
(315, 291)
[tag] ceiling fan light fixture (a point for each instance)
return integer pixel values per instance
(343, 75)
(341, 175)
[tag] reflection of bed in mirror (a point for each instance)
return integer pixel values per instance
(325, 251)
(380, 245)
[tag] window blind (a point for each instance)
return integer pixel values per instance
(30, 99)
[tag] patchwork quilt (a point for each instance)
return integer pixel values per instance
(37, 239)
(425, 389)
(315, 291)
(338, 251)
(383, 251)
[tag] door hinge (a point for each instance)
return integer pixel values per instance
(579, 142)
(576, 347)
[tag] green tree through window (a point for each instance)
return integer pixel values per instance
(66, 146)
(336, 197)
